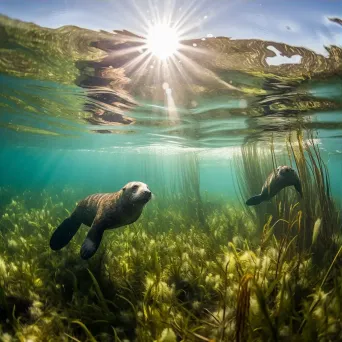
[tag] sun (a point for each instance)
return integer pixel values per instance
(162, 41)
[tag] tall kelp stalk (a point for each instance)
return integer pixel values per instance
(321, 221)
(175, 185)
(179, 195)
(155, 173)
(190, 188)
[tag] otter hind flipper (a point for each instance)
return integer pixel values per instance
(92, 242)
(255, 200)
(64, 233)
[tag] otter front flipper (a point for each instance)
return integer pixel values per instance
(92, 241)
(64, 233)
(255, 200)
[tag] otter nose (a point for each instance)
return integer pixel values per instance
(148, 193)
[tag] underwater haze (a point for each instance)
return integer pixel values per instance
(202, 101)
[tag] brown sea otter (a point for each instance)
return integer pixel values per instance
(101, 212)
(281, 178)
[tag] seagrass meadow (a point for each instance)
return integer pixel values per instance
(194, 267)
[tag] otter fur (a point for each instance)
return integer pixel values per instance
(281, 178)
(101, 212)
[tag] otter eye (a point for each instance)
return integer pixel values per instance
(124, 188)
(135, 187)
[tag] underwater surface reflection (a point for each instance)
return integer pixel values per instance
(211, 92)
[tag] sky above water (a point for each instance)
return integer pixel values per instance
(300, 23)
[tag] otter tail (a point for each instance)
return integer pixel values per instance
(64, 233)
(255, 200)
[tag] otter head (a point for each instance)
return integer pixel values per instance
(136, 193)
(285, 171)
(291, 177)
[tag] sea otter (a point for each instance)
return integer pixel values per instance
(101, 212)
(282, 177)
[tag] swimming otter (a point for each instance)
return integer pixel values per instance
(283, 176)
(101, 212)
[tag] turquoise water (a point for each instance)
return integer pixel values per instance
(95, 171)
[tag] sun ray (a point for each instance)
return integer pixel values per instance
(155, 12)
(134, 63)
(123, 52)
(170, 10)
(192, 49)
(187, 13)
(205, 74)
(183, 73)
(140, 71)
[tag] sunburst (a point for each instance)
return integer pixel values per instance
(162, 40)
